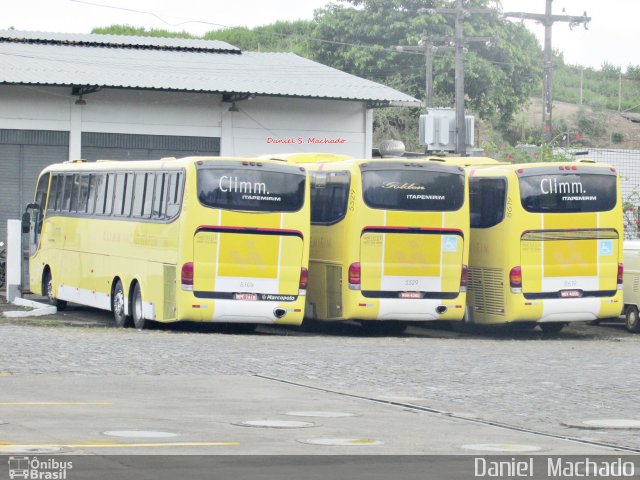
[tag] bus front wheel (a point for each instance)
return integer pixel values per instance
(136, 305)
(47, 289)
(117, 306)
(631, 317)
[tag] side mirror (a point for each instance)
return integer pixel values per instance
(26, 222)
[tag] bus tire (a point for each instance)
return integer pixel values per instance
(118, 306)
(47, 289)
(552, 327)
(631, 319)
(137, 308)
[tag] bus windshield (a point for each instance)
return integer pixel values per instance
(568, 193)
(413, 189)
(258, 189)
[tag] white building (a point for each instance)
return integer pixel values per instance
(67, 96)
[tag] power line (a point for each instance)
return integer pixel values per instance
(548, 19)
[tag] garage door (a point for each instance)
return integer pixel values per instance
(23, 154)
(118, 146)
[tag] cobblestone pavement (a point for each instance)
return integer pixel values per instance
(521, 379)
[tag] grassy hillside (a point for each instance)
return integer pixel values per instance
(606, 88)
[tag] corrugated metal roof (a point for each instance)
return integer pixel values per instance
(117, 41)
(276, 74)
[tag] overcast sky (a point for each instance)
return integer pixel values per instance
(611, 36)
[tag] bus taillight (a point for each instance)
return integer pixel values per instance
(304, 279)
(515, 280)
(354, 276)
(187, 277)
(620, 275)
(464, 278)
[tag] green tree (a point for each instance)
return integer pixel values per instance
(498, 78)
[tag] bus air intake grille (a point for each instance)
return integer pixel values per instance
(487, 290)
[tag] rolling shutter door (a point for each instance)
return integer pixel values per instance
(23, 155)
(119, 146)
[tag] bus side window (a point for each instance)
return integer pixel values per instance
(67, 193)
(128, 195)
(109, 194)
(53, 194)
(101, 188)
(159, 197)
(148, 195)
(91, 199)
(174, 199)
(118, 198)
(138, 194)
(487, 198)
(329, 195)
(83, 194)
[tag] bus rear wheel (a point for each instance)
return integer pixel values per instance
(631, 319)
(552, 327)
(136, 306)
(118, 306)
(47, 289)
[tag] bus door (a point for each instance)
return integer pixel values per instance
(573, 254)
(33, 218)
(413, 254)
(245, 253)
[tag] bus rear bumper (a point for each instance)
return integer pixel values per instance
(410, 310)
(580, 309)
(241, 311)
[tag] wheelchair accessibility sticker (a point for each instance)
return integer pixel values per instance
(606, 248)
(449, 243)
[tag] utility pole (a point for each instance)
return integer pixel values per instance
(426, 46)
(548, 19)
(460, 14)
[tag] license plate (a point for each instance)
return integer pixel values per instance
(245, 296)
(410, 294)
(570, 293)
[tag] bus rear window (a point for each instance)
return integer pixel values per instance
(413, 189)
(568, 193)
(259, 189)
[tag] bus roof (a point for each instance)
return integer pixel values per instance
(308, 157)
(467, 161)
(163, 163)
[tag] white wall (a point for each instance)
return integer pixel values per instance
(288, 125)
(257, 128)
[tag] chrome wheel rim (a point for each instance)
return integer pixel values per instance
(118, 303)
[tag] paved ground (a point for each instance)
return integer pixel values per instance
(443, 389)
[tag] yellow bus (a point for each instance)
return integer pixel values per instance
(199, 239)
(546, 244)
(389, 241)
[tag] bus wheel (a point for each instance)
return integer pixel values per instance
(117, 306)
(136, 306)
(47, 289)
(552, 327)
(631, 317)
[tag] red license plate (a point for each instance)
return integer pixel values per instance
(570, 293)
(410, 294)
(245, 296)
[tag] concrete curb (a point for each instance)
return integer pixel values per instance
(39, 309)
